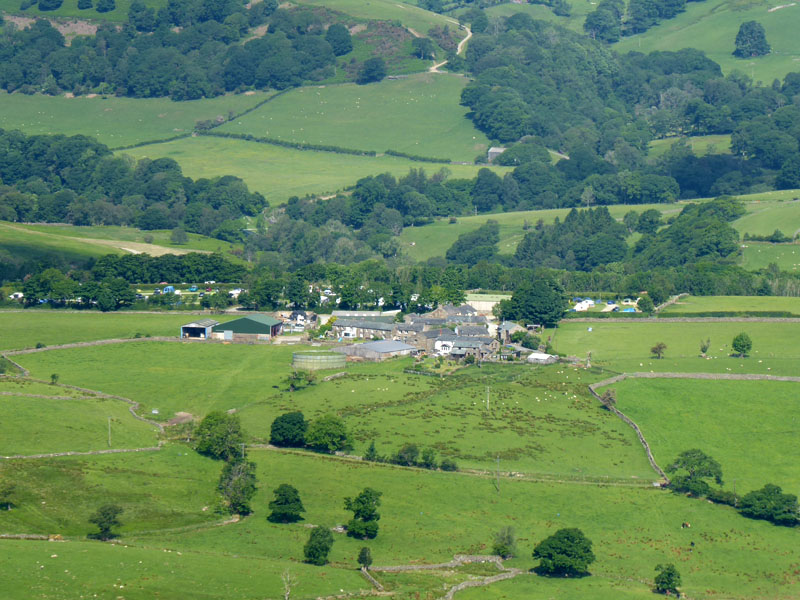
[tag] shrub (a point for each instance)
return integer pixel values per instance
(289, 430)
(219, 436)
(318, 546)
(448, 464)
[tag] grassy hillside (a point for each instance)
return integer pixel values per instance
(417, 115)
(19, 242)
(700, 145)
(765, 217)
(280, 173)
(759, 255)
(116, 121)
(693, 304)
(741, 443)
(24, 329)
(69, 9)
(625, 346)
(543, 13)
(712, 25)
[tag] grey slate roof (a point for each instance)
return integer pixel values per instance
(471, 330)
(410, 327)
(377, 326)
(385, 346)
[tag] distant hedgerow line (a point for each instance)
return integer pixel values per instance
(286, 144)
(417, 157)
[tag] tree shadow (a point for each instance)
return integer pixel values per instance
(560, 574)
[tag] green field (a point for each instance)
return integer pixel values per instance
(700, 145)
(418, 115)
(760, 255)
(711, 26)
(694, 304)
(745, 425)
(117, 121)
(409, 15)
(766, 216)
(426, 517)
(543, 422)
(421, 243)
(578, 13)
(24, 329)
(280, 173)
(69, 9)
(36, 425)
(625, 346)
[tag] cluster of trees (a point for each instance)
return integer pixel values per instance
(695, 468)
(60, 179)
(409, 455)
(186, 50)
(324, 434)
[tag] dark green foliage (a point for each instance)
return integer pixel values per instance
(605, 22)
(364, 523)
(289, 429)
(84, 4)
(297, 380)
(219, 436)
(742, 344)
(751, 40)
(505, 543)
(47, 5)
(423, 48)
(406, 456)
(104, 6)
(373, 69)
(106, 518)
(178, 236)
(658, 350)
(527, 150)
(693, 468)
(372, 454)
(649, 221)
(338, 36)
(646, 305)
(427, 459)
(318, 546)
(771, 504)
(475, 246)
(287, 506)
(7, 489)
(237, 485)
(722, 496)
(327, 434)
(526, 340)
(142, 17)
(365, 557)
(448, 464)
(565, 553)
(667, 579)
(541, 302)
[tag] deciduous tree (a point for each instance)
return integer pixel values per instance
(287, 506)
(566, 552)
(106, 518)
(318, 546)
(667, 579)
(327, 434)
(742, 344)
(219, 436)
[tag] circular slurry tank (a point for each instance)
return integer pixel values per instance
(314, 361)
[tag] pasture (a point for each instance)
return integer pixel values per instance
(712, 26)
(417, 115)
(540, 12)
(767, 215)
(733, 304)
(540, 421)
(700, 145)
(744, 425)
(69, 10)
(280, 173)
(117, 121)
(24, 329)
(426, 517)
(760, 255)
(625, 346)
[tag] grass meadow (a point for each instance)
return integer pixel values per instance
(744, 425)
(625, 346)
(17, 241)
(69, 10)
(116, 121)
(540, 421)
(700, 145)
(712, 26)
(24, 329)
(694, 304)
(426, 517)
(765, 216)
(416, 115)
(759, 255)
(578, 13)
(280, 173)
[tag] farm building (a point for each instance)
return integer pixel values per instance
(252, 328)
(377, 350)
(311, 360)
(493, 153)
(199, 329)
(540, 358)
(351, 328)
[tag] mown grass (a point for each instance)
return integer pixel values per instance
(24, 329)
(69, 9)
(418, 115)
(760, 255)
(694, 304)
(117, 121)
(766, 216)
(18, 243)
(425, 517)
(712, 26)
(280, 173)
(700, 145)
(744, 425)
(625, 346)
(539, 420)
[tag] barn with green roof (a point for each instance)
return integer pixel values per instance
(252, 328)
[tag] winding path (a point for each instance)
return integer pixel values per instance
(435, 67)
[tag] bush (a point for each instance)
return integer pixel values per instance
(373, 69)
(448, 464)
(219, 436)
(505, 542)
(289, 430)
(104, 6)
(770, 504)
(84, 4)
(365, 557)
(722, 497)
(318, 546)
(327, 434)
(566, 552)
(742, 344)
(406, 456)
(237, 485)
(46, 5)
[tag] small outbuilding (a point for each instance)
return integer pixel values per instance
(380, 350)
(252, 328)
(541, 358)
(198, 329)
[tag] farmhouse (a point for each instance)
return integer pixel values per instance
(199, 329)
(353, 328)
(472, 331)
(380, 350)
(252, 328)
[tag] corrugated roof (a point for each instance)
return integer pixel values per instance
(249, 324)
(202, 323)
(377, 326)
